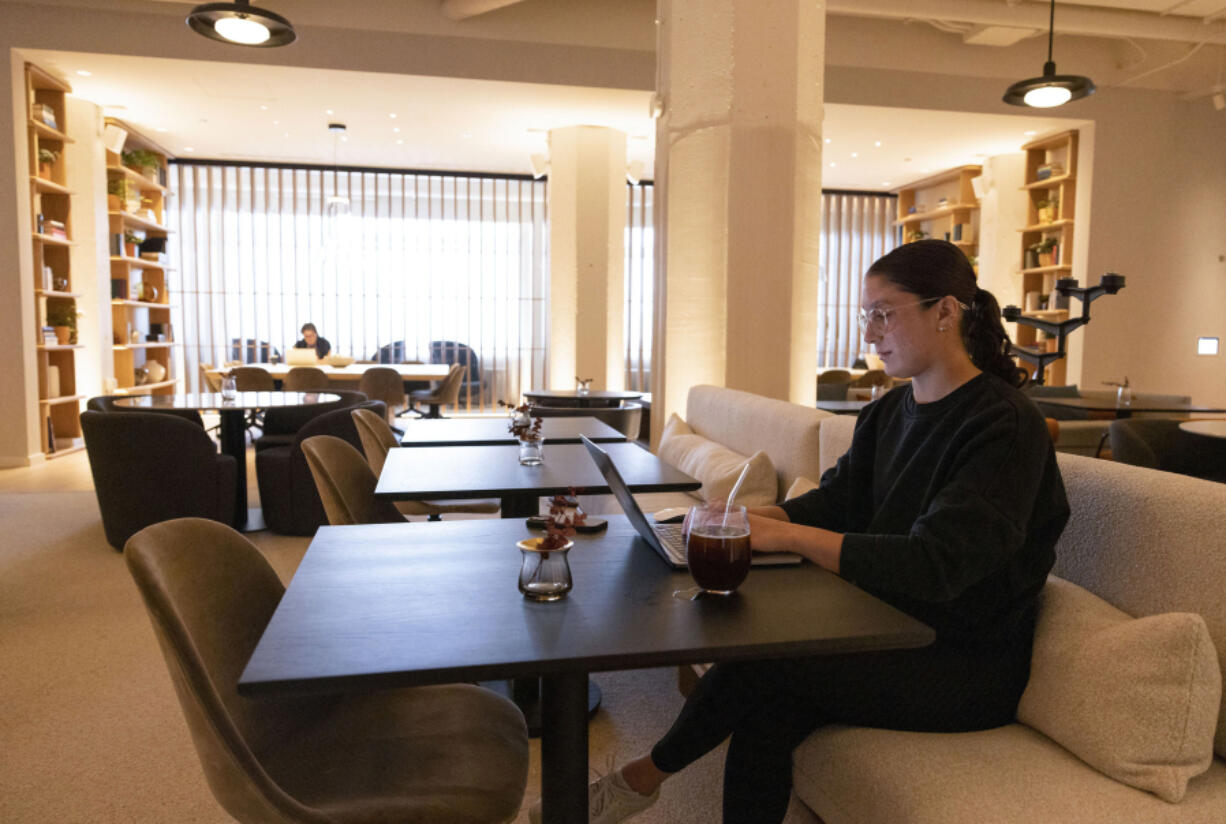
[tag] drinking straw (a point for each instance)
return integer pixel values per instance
(735, 488)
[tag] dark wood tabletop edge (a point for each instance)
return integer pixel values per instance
(509, 441)
(920, 635)
(542, 491)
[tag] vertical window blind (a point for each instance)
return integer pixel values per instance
(857, 228)
(412, 264)
(640, 279)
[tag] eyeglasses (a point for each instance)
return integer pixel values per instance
(878, 320)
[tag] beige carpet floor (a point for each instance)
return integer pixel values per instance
(90, 730)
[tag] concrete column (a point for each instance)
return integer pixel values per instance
(738, 188)
(587, 227)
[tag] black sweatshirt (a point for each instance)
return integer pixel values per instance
(951, 510)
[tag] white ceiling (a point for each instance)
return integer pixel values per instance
(280, 114)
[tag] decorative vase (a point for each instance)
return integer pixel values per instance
(44, 171)
(532, 451)
(129, 249)
(63, 335)
(113, 203)
(544, 574)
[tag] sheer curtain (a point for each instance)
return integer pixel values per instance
(857, 228)
(640, 275)
(412, 258)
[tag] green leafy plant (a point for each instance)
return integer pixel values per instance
(48, 156)
(140, 159)
(132, 237)
(1045, 245)
(63, 313)
(916, 234)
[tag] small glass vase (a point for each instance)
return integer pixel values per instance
(229, 388)
(544, 574)
(532, 451)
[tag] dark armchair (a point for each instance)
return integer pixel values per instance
(106, 403)
(281, 423)
(287, 488)
(150, 467)
(449, 351)
(1159, 443)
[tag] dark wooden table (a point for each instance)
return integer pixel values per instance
(843, 407)
(495, 472)
(1205, 429)
(1139, 404)
(572, 397)
(391, 605)
(233, 431)
(493, 431)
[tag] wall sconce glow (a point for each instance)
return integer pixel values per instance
(1207, 346)
(242, 24)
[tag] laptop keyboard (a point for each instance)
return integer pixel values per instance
(672, 539)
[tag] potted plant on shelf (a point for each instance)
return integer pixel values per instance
(63, 314)
(1045, 209)
(46, 158)
(131, 240)
(143, 162)
(1048, 251)
(916, 234)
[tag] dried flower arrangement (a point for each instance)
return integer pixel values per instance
(523, 426)
(560, 524)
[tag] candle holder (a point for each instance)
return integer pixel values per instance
(544, 574)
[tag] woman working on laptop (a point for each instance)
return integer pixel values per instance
(312, 340)
(948, 505)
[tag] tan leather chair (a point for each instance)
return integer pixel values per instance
(445, 394)
(445, 754)
(832, 385)
(345, 483)
(305, 379)
(210, 378)
(253, 379)
(377, 438)
(381, 383)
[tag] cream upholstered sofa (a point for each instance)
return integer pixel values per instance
(1112, 702)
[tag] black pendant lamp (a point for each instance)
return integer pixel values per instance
(1051, 89)
(242, 24)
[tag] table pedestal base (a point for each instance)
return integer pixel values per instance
(525, 693)
(255, 520)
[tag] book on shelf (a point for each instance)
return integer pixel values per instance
(55, 228)
(44, 114)
(49, 337)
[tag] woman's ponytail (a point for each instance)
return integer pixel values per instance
(987, 342)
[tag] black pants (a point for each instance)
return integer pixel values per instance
(769, 707)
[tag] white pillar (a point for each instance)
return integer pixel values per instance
(587, 229)
(738, 187)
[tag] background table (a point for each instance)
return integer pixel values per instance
(493, 431)
(571, 397)
(1139, 404)
(843, 407)
(233, 430)
(391, 605)
(495, 471)
(354, 371)
(1206, 429)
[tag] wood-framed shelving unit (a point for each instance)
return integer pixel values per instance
(1050, 185)
(943, 206)
(142, 335)
(55, 300)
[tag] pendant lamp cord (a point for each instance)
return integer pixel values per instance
(1051, 29)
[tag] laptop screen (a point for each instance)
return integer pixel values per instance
(622, 492)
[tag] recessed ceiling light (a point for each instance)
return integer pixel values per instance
(396, 129)
(827, 140)
(392, 115)
(833, 164)
(161, 128)
(925, 171)
(84, 73)
(276, 123)
(327, 111)
(287, 134)
(467, 136)
(878, 144)
(399, 141)
(188, 149)
(855, 154)
(1030, 133)
(263, 108)
(885, 183)
(345, 139)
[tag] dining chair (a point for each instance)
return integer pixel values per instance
(377, 439)
(305, 379)
(210, 378)
(452, 754)
(253, 379)
(873, 377)
(150, 467)
(345, 484)
(384, 384)
(832, 385)
(447, 393)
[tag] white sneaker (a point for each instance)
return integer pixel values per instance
(609, 801)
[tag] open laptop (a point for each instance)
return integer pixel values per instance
(301, 357)
(665, 539)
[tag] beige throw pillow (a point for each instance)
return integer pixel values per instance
(799, 487)
(717, 466)
(1135, 698)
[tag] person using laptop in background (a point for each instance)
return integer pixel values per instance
(947, 505)
(312, 340)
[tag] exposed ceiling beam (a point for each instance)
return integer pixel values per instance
(1070, 19)
(464, 9)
